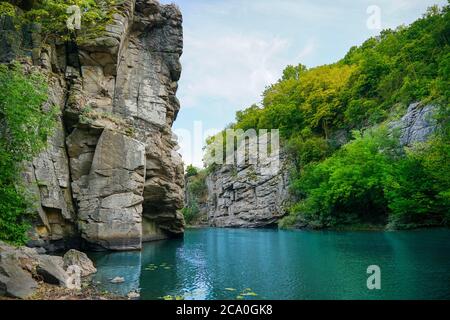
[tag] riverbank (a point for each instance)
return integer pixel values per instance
(31, 274)
(88, 291)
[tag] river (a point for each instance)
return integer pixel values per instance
(215, 263)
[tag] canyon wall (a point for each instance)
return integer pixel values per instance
(247, 196)
(111, 177)
(241, 196)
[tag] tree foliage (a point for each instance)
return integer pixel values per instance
(369, 178)
(52, 15)
(24, 130)
(196, 192)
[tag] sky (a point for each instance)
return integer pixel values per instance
(233, 49)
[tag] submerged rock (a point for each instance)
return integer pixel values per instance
(118, 280)
(133, 295)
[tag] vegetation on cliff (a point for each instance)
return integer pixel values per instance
(52, 16)
(371, 179)
(374, 180)
(25, 124)
(196, 193)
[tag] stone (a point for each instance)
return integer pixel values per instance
(50, 268)
(80, 259)
(10, 40)
(20, 266)
(133, 295)
(110, 210)
(14, 281)
(118, 280)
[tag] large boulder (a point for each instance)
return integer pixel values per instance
(80, 259)
(14, 281)
(50, 268)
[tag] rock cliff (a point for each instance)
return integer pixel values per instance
(111, 177)
(417, 123)
(242, 196)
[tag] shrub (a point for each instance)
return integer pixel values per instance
(24, 129)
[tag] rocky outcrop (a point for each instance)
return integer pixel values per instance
(111, 176)
(246, 196)
(50, 270)
(417, 124)
(80, 259)
(23, 269)
(14, 281)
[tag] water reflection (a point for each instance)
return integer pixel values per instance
(118, 264)
(273, 264)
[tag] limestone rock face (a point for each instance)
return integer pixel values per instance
(246, 196)
(110, 196)
(48, 178)
(417, 123)
(111, 177)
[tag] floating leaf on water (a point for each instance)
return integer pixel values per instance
(230, 289)
(167, 268)
(240, 297)
(168, 297)
(247, 289)
(179, 298)
(249, 294)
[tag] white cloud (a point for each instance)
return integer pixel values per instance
(307, 50)
(234, 48)
(234, 67)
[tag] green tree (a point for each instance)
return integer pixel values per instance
(191, 171)
(24, 129)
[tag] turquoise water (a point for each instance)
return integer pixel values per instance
(275, 264)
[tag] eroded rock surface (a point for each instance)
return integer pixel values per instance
(111, 176)
(14, 281)
(77, 258)
(23, 269)
(417, 124)
(246, 196)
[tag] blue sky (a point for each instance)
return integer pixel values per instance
(234, 48)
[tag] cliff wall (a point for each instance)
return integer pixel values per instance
(111, 177)
(247, 195)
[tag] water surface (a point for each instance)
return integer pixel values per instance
(277, 264)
